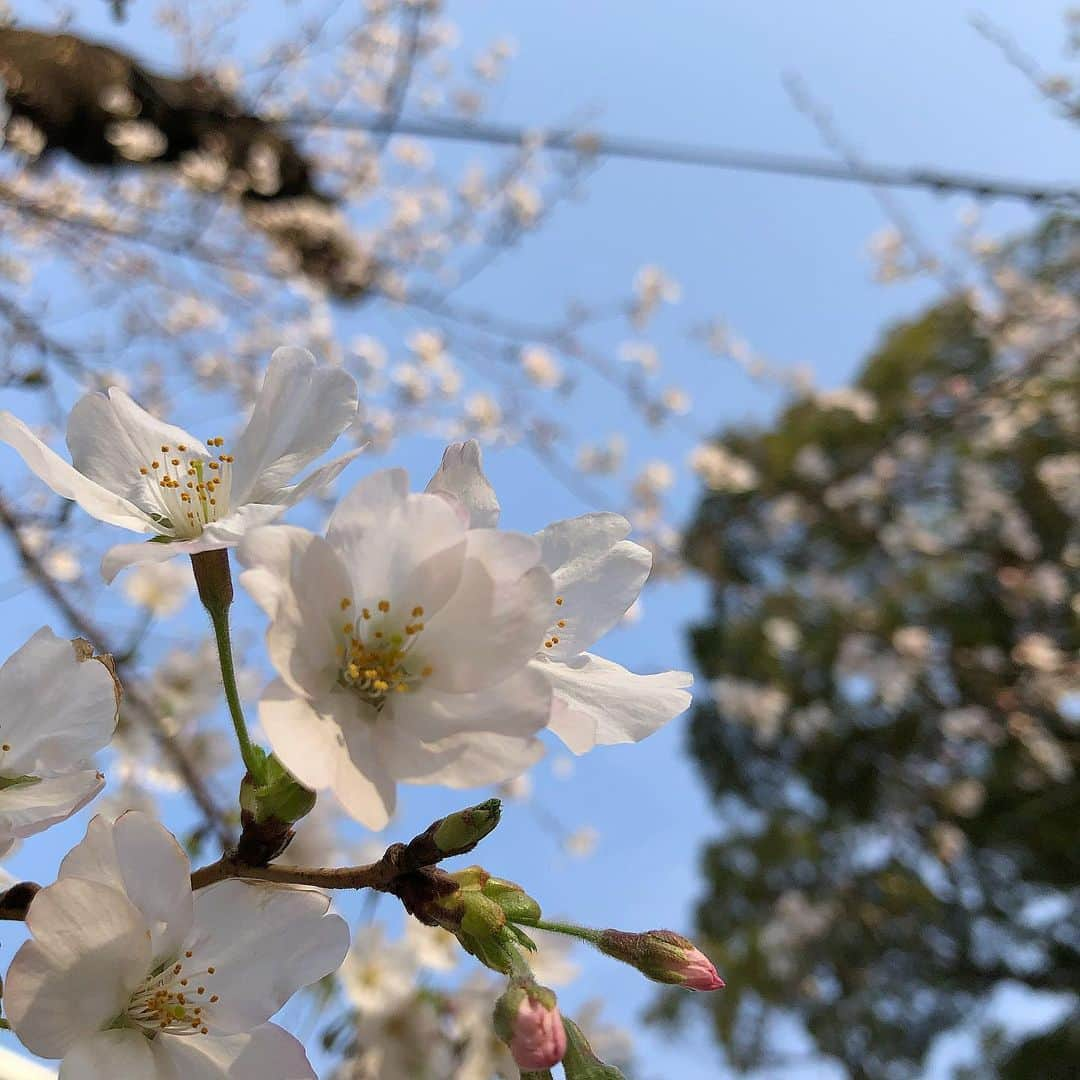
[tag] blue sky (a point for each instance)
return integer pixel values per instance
(782, 260)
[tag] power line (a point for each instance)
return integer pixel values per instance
(660, 150)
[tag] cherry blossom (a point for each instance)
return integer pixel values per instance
(135, 471)
(402, 643)
(597, 574)
(58, 707)
(129, 974)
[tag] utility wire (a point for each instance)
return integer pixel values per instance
(643, 149)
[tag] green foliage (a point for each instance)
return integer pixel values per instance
(892, 742)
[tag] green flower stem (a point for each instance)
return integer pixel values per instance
(252, 758)
(215, 590)
(582, 933)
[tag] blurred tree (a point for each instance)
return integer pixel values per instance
(892, 735)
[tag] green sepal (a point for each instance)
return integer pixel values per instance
(18, 781)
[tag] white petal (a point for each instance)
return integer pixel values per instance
(110, 1055)
(466, 740)
(316, 480)
(599, 703)
(299, 581)
(362, 785)
(496, 619)
(597, 573)
(301, 408)
(226, 533)
(461, 476)
(407, 549)
(267, 1053)
(30, 808)
(89, 951)
(328, 744)
(111, 438)
(370, 502)
(56, 710)
(68, 482)
(308, 742)
(142, 859)
(264, 943)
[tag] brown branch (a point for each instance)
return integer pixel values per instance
(137, 706)
(455, 834)
(406, 870)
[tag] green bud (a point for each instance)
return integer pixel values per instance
(461, 832)
(517, 904)
(579, 1062)
(472, 878)
(483, 933)
(280, 797)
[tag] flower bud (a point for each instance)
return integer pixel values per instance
(473, 878)
(527, 1019)
(280, 797)
(458, 833)
(662, 956)
(579, 1062)
(517, 904)
(483, 932)
(269, 807)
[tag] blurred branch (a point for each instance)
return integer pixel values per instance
(398, 88)
(1023, 62)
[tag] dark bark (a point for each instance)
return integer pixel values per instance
(64, 86)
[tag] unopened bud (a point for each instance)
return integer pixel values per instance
(580, 1062)
(662, 956)
(472, 878)
(280, 796)
(483, 932)
(517, 904)
(461, 832)
(527, 1019)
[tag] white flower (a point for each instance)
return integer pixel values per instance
(57, 708)
(401, 642)
(132, 470)
(378, 976)
(540, 366)
(597, 575)
(161, 588)
(433, 947)
(127, 974)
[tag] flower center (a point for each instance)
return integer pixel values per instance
(552, 638)
(172, 1000)
(377, 652)
(190, 489)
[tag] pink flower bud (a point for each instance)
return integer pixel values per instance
(698, 972)
(538, 1038)
(663, 956)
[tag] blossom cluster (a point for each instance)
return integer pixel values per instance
(414, 642)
